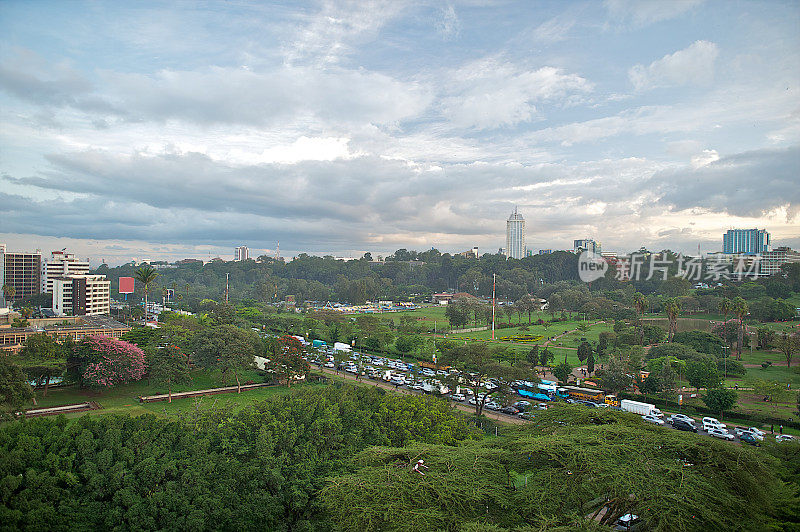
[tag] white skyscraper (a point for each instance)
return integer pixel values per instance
(60, 264)
(515, 236)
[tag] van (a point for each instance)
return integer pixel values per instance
(713, 421)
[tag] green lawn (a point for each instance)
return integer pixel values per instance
(123, 398)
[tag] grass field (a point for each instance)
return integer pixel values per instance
(123, 398)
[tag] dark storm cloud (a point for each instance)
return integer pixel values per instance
(745, 184)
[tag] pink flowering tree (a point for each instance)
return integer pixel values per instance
(102, 361)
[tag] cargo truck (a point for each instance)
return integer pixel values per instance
(642, 409)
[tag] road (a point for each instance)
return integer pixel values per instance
(503, 418)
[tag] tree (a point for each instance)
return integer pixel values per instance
(533, 355)
(146, 275)
(42, 358)
(288, 362)
(616, 376)
(584, 350)
(590, 362)
(702, 374)
(15, 391)
(546, 357)
(725, 306)
(720, 400)
(641, 304)
(740, 309)
(563, 371)
(227, 348)
(788, 344)
(103, 361)
(673, 308)
(477, 363)
(169, 365)
(456, 315)
(9, 291)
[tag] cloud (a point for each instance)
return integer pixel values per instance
(554, 30)
(492, 93)
(639, 13)
(751, 184)
(693, 65)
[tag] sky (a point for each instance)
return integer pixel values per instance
(150, 130)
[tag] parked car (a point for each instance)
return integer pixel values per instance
(628, 522)
(741, 431)
(783, 437)
(721, 434)
(713, 421)
(542, 406)
(510, 410)
(710, 427)
(525, 415)
(650, 418)
(458, 397)
(522, 405)
(683, 425)
(749, 438)
(491, 405)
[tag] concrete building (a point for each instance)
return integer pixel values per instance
(241, 253)
(586, 244)
(745, 241)
(515, 236)
(22, 271)
(470, 253)
(13, 338)
(61, 264)
(771, 261)
(81, 295)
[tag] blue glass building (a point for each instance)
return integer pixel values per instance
(745, 241)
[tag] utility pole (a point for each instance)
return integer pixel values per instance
(494, 300)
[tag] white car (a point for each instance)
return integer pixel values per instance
(708, 428)
(491, 405)
(713, 421)
(329, 364)
(721, 434)
(458, 397)
(398, 381)
(758, 431)
(784, 437)
(650, 418)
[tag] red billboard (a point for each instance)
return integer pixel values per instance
(126, 285)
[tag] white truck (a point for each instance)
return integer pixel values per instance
(642, 409)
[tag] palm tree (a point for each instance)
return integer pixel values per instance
(8, 291)
(740, 309)
(641, 304)
(145, 275)
(725, 306)
(672, 307)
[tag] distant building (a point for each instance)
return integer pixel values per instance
(77, 328)
(586, 244)
(61, 264)
(241, 253)
(545, 251)
(81, 295)
(771, 261)
(470, 253)
(515, 236)
(746, 241)
(189, 261)
(22, 271)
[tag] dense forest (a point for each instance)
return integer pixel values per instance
(342, 457)
(406, 276)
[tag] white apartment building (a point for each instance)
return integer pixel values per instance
(241, 253)
(61, 264)
(81, 295)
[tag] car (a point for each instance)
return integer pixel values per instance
(542, 406)
(627, 522)
(590, 404)
(522, 405)
(329, 364)
(783, 437)
(718, 433)
(525, 415)
(398, 381)
(749, 438)
(741, 431)
(650, 418)
(510, 410)
(491, 405)
(682, 417)
(711, 427)
(759, 432)
(713, 421)
(472, 401)
(683, 425)
(458, 397)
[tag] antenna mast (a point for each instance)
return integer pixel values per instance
(226, 287)
(278, 250)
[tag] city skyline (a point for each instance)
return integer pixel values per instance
(339, 128)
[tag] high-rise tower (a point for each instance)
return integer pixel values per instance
(515, 236)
